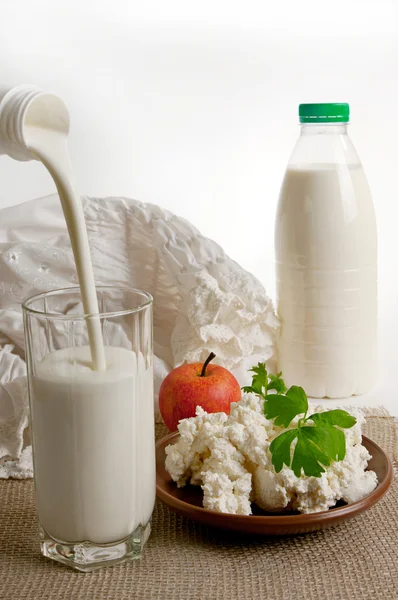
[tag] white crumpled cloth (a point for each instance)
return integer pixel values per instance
(203, 300)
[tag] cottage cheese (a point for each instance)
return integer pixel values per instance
(229, 457)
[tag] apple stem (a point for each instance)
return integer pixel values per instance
(208, 359)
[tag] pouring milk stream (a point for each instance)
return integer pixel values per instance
(39, 130)
(99, 485)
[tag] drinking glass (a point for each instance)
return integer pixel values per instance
(92, 431)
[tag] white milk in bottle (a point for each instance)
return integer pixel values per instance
(326, 261)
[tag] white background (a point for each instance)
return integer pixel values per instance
(193, 106)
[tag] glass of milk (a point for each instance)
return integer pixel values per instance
(92, 430)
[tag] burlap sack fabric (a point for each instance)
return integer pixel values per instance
(357, 560)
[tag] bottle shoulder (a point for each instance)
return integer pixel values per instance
(326, 187)
(324, 148)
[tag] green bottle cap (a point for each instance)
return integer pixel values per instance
(338, 112)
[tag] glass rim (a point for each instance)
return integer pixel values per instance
(82, 316)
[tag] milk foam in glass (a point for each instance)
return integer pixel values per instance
(326, 261)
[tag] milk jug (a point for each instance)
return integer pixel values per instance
(326, 261)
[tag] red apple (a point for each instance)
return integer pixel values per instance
(198, 384)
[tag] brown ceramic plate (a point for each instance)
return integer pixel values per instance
(187, 501)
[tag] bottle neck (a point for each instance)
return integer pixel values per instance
(323, 128)
(19, 103)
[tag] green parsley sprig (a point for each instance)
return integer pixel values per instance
(320, 439)
(263, 382)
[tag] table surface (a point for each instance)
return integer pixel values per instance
(185, 560)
